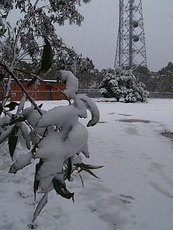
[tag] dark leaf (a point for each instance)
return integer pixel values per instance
(40, 206)
(12, 105)
(61, 189)
(36, 181)
(1, 108)
(69, 169)
(47, 57)
(2, 76)
(32, 82)
(88, 171)
(12, 141)
(86, 168)
(40, 105)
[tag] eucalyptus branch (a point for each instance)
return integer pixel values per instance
(21, 86)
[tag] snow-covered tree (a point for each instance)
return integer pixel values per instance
(32, 36)
(59, 127)
(123, 87)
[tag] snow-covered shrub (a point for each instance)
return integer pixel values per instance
(55, 137)
(123, 87)
(109, 86)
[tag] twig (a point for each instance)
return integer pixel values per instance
(21, 86)
(47, 83)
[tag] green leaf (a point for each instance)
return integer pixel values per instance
(88, 171)
(47, 57)
(61, 189)
(12, 105)
(32, 82)
(1, 108)
(40, 206)
(12, 141)
(86, 168)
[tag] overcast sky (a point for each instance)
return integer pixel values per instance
(97, 36)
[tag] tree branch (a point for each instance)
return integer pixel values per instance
(21, 86)
(47, 83)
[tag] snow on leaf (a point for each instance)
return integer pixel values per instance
(33, 116)
(92, 107)
(71, 83)
(25, 134)
(5, 133)
(59, 115)
(22, 161)
(76, 141)
(22, 103)
(80, 107)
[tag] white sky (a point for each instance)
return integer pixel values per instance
(98, 35)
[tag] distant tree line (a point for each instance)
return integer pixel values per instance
(160, 81)
(90, 77)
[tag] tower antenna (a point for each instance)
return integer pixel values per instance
(130, 49)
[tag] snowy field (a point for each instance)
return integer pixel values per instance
(135, 189)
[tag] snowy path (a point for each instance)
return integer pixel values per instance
(135, 189)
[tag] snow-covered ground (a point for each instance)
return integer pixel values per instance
(135, 189)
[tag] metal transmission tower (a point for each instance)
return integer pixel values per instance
(131, 49)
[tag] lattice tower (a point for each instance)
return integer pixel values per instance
(130, 49)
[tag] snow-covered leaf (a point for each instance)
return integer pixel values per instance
(21, 105)
(71, 83)
(92, 107)
(59, 116)
(5, 133)
(25, 134)
(22, 161)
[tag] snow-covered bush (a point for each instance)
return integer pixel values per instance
(56, 138)
(123, 87)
